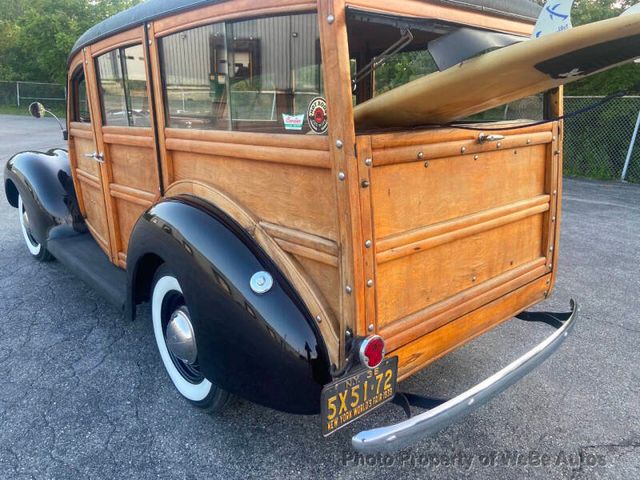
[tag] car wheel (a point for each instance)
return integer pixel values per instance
(175, 337)
(37, 250)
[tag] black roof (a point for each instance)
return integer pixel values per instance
(153, 9)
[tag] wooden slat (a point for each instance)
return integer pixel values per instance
(132, 195)
(342, 139)
(305, 142)
(391, 156)
(432, 236)
(80, 133)
(298, 237)
(88, 178)
(428, 348)
(228, 11)
(434, 316)
(302, 251)
(305, 158)
(129, 140)
(440, 135)
(129, 37)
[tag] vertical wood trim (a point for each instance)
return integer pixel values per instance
(558, 110)
(365, 155)
(156, 77)
(73, 154)
(148, 42)
(96, 124)
(335, 58)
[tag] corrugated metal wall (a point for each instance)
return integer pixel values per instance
(286, 43)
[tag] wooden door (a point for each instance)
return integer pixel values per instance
(85, 158)
(124, 134)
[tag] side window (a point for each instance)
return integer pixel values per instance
(122, 81)
(80, 103)
(260, 75)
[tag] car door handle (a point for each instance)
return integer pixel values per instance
(98, 157)
(484, 138)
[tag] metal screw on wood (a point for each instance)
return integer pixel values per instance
(339, 143)
(463, 149)
(529, 141)
(330, 19)
(499, 145)
(476, 157)
(365, 184)
(420, 155)
(342, 176)
(368, 244)
(369, 283)
(368, 162)
(348, 289)
(371, 327)
(426, 164)
(319, 319)
(553, 219)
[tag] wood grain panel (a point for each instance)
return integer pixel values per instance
(128, 214)
(133, 166)
(326, 279)
(428, 348)
(410, 196)
(298, 197)
(412, 283)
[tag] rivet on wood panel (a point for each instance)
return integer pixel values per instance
(426, 164)
(550, 266)
(463, 149)
(339, 144)
(368, 162)
(365, 183)
(546, 293)
(553, 219)
(548, 282)
(420, 155)
(330, 19)
(319, 319)
(515, 152)
(348, 289)
(557, 152)
(554, 139)
(499, 145)
(551, 248)
(348, 333)
(368, 244)
(555, 192)
(529, 141)
(371, 327)
(476, 157)
(369, 283)
(342, 176)
(148, 25)
(474, 279)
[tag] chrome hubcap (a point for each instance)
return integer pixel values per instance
(180, 338)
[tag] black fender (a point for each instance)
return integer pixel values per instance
(264, 348)
(44, 182)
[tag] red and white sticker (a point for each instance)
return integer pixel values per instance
(317, 116)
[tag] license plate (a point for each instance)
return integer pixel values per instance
(348, 399)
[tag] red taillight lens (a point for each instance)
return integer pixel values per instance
(372, 351)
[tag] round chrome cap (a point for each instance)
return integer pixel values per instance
(261, 282)
(180, 338)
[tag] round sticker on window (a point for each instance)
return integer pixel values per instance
(317, 115)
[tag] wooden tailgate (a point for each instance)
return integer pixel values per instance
(456, 224)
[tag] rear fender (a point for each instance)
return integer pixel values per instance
(265, 348)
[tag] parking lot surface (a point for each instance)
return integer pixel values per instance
(84, 395)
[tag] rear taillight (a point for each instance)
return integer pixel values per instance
(372, 351)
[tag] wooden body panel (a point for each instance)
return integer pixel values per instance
(373, 238)
(455, 223)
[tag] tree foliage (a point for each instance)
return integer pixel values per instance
(37, 35)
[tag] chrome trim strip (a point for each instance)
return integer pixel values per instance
(400, 435)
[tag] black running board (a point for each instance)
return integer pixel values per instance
(82, 255)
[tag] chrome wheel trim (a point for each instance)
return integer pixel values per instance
(192, 391)
(180, 338)
(33, 246)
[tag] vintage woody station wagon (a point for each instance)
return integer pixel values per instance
(216, 170)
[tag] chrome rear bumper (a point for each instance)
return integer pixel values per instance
(395, 437)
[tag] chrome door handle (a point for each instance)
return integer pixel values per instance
(484, 138)
(98, 157)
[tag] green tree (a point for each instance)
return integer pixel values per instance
(37, 35)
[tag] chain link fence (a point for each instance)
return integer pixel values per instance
(15, 97)
(603, 143)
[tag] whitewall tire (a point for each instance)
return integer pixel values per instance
(37, 250)
(166, 299)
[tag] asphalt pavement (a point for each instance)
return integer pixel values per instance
(83, 393)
